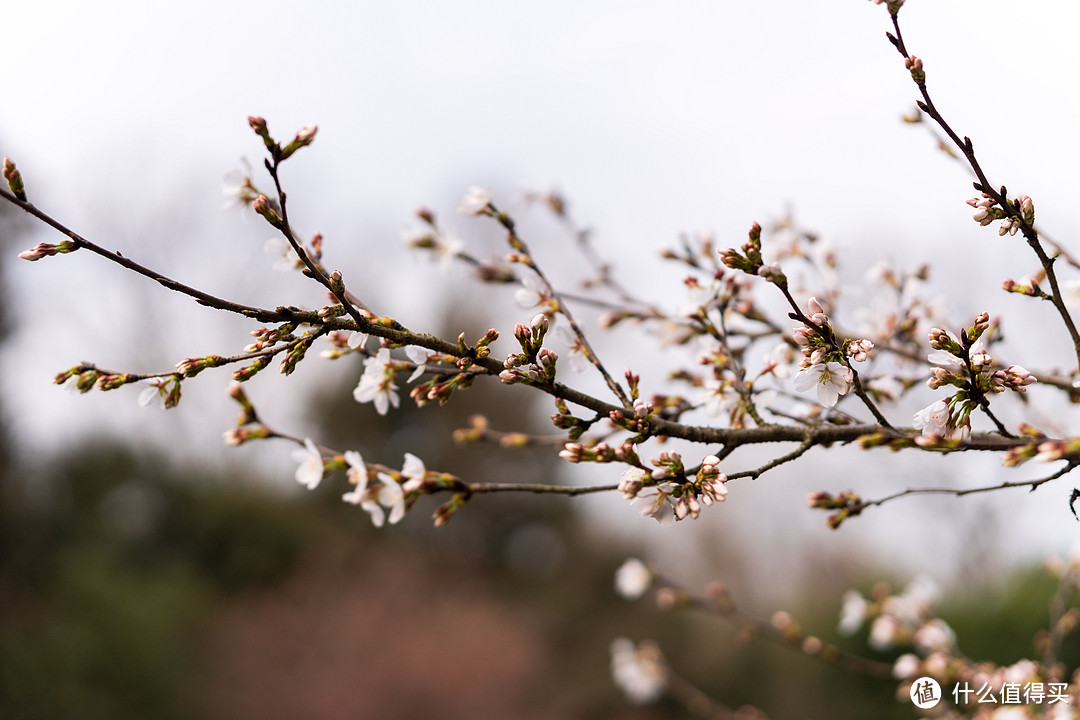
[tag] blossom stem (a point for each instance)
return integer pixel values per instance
(724, 607)
(984, 185)
(807, 443)
(355, 309)
(243, 357)
(279, 315)
(518, 244)
(1032, 485)
(829, 336)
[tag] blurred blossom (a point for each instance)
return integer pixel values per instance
(149, 393)
(310, 472)
(852, 613)
(531, 292)
(475, 202)
(884, 632)
(718, 396)
(934, 635)
(887, 386)
(390, 496)
(906, 667)
(279, 248)
(414, 471)
(575, 354)
(632, 579)
(656, 502)
(638, 671)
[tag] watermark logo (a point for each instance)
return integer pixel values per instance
(925, 693)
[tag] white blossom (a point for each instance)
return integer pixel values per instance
(447, 247)
(906, 667)
(884, 632)
(357, 340)
(377, 383)
(310, 471)
(656, 502)
(933, 419)
(279, 248)
(852, 613)
(150, 393)
(575, 355)
(915, 603)
(780, 360)
(630, 482)
(475, 202)
(392, 497)
(419, 356)
(414, 472)
(638, 671)
(718, 397)
(935, 635)
(531, 293)
(887, 386)
(832, 380)
(632, 579)
(357, 474)
(945, 359)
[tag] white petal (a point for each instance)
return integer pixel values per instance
(414, 467)
(808, 377)
(376, 512)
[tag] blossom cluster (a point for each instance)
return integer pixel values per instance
(390, 492)
(824, 365)
(638, 670)
(660, 496)
(965, 365)
(987, 210)
(983, 690)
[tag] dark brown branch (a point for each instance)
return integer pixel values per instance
(1032, 485)
(984, 185)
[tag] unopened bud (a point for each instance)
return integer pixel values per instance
(302, 139)
(14, 179)
(337, 285)
(263, 207)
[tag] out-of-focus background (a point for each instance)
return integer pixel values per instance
(147, 570)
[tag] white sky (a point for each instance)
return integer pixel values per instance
(653, 119)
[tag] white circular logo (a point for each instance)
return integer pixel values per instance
(925, 693)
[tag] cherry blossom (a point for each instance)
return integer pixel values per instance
(377, 383)
(414, 471)
(361, 495)
(852, 613)
(476, 201)
(392, 497)
(638, 671)
(632, 579)
(310, 471)
(832, 380)
(656, 502)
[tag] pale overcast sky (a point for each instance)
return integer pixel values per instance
(652, 118)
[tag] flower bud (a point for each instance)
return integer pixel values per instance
(337, 285)
(263, 207)
(540, 324)
(14, 179)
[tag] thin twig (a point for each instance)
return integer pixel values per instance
(519, 245)
(985, 186)
(1032, 485)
